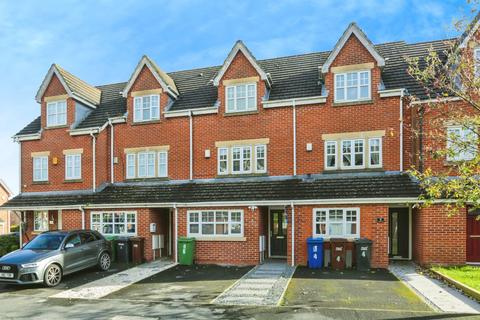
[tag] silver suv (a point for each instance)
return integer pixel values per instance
(53, 254)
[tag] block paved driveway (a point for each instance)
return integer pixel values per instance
(186, 292)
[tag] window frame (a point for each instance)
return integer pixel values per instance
(380, 158)
(73, 177)
(128, 164)
(344, 222)
(345, 86)
(56, 113)
(147, 154)
(326, 154)
(476, 62)
(252, 159)
(132, 164)
(41, 158)
(46, 226)
(142, 108)
(235, 98)
(227, 160)
(101, 223)
(352, 154)
(230, 222)
(463, 155)
(264, 158)
(159, 164)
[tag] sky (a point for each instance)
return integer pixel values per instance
(102, 41)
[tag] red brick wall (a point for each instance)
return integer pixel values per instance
(226, 252)
(145, 81)
(438, 238)
(369, 228)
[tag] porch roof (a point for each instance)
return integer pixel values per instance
(358, 187)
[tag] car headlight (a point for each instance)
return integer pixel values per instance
(30, 265)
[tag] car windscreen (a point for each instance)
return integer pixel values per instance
(45, 242)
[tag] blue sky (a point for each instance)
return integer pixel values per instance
(102, 41)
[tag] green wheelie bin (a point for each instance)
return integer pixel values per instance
(111, 240)
(186, 251)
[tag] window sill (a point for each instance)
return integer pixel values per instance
(139, 123)
(243, 113)
(73, 180)
(56, 127)
(40, 182)
(230, 239)
(329, 238)
(352, 103)
(242, 175)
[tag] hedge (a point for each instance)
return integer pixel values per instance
(8, 243)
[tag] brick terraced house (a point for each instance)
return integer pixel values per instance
(282, 149)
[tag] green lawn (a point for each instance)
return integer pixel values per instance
(467, 275)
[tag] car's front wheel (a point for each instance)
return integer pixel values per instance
(105, 262)
(53, 275)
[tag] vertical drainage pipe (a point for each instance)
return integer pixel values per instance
(176, 232)
(94, 178)
(294, 138)
(191, 145)
(401, 130)
(293, 233)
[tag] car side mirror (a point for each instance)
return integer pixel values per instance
(69, 246)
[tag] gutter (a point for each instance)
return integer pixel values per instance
(289, 102)
(186, 113)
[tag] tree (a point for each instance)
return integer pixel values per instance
(450, 131)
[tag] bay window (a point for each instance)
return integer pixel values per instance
(215, 223)
(336, 222)
(56, 113)
(352, 86)
(146, 108)
(114, 223)
(242, 97)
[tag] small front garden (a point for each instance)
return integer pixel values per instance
(8, 243)
(467, 275)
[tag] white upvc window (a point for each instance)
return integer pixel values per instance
(40, 221)
(214, 223)
(353, 154)
(352, 86)
(73, 166)
(162, 164)
(461, 142)
(114, 223)
(56, 113)
(242, 159)
(241, 97)
(146, 164)
(331, 152)
(131, 165)
(222, 160)
(375, 152)
(261, 158)
(336, 222)
(40, 168)
(476, 58)
(146, 108)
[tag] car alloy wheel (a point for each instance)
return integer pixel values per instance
(53, 275)
(105, 261)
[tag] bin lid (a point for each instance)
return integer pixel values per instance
(338, 240)
(364, 241)
(315, 240)
(186, 239)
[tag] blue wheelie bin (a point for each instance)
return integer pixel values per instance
(315, 253)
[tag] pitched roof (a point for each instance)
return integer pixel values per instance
(292, 77)
(239, 47)
(167, 83)
(320, 187)
(75, 87)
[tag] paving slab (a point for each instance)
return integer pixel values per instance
(263, 285)
(438, 294)
(105, 286)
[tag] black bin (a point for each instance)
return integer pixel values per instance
(124, 251)
(363, 254)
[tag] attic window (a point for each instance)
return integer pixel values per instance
(241, 98)
(56, 113)
(352, 86)
(147, 108)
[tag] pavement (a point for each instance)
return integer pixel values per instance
(263, 285)
(435, 292)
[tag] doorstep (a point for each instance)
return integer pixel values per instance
(108, 285)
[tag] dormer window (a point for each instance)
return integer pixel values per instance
(352, 86)
(241, 98)
(56, 113)
(146, 108)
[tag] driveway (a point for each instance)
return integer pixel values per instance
(68, 282)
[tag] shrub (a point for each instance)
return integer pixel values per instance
(8, 243)
(15, 228)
